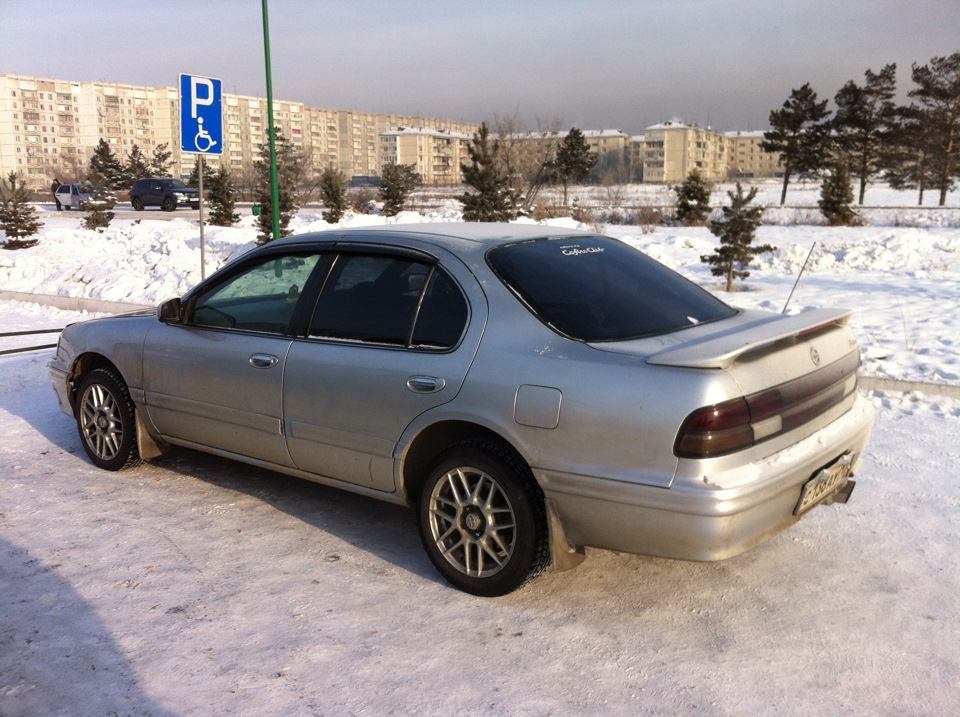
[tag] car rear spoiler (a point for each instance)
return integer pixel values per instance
(721, 351)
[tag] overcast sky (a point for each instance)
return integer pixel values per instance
(593, 64)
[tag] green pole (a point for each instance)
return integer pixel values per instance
(274, 178)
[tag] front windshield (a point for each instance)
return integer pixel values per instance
(599, 289)
(174, 184)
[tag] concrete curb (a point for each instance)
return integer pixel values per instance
(868, 383)
(69, 303)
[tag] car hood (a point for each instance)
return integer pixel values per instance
(717, 345)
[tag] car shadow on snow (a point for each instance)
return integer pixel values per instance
(56, 655)
(384, 530)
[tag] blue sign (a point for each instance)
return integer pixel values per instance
(201, 115)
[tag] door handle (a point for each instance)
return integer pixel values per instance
(425, 384)
(263, 361)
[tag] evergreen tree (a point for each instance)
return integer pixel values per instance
(209, 172)
(736, 229)
(333, 194)
(137, 167)
(494, 199)
(906, 159)
(222, 198)
(18, 218)
(99, 214)
(396, 183)
(800, 134)
(836, 194)
(162, 161)
(693, 200)
(289, 166)
(574, 160)
(938, 113)
(105, 169)
(865, 122)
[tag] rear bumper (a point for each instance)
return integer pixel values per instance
(703, 521)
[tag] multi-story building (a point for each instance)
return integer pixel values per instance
(50, 128)
(671, 150)
(435, 154)
(748, 160)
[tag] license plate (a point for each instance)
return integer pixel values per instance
(824, 484)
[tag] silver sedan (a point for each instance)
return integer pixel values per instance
(528, 391)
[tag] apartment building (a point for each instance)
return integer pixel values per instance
(435, 154)
(50, 128)
(748, 160)
(671, 150)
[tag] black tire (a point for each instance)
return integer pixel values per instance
(169, 204)
(482, 519)
(137, 203)
(105, 420)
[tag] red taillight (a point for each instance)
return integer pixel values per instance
(715, 430)
(743, 422)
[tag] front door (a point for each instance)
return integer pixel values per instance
(216, 379)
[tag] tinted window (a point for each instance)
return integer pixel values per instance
(261, 297)
(389, 300)
(599, 289)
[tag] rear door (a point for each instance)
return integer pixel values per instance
(392, 336)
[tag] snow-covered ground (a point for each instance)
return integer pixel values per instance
(196, 586)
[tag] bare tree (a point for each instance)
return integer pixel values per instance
(527, 157)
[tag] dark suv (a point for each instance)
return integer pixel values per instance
(167, 194)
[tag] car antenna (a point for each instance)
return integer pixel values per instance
(809, 254)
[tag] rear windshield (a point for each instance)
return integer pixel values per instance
(600, 289)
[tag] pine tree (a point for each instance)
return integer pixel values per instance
(137, 167)
(938, 113)
(289, 170)
(222, 199)
(18, 218)
(98, 208)
(333, 194)
(162, 161)
(574, 160)
(494, 199)
(208, 174)
(693, 200)
(105, 169)
(799, 134)
(396, 183)
(906, 158)
(865, 121)
(736, 230)
(836, 194)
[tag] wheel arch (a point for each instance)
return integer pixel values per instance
(436, 438)
(430, 443)
(82, 365)
(148, 446)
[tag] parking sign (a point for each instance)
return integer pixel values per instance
(201, 115)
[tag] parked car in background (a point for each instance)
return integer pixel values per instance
(529, 391)
(166, 193)
(73, 196)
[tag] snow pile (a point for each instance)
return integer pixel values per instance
(197, 586)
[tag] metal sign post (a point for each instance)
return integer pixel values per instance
(201, 130)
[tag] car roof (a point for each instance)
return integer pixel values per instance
(459, 237)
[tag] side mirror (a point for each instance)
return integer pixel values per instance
(169, 312)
